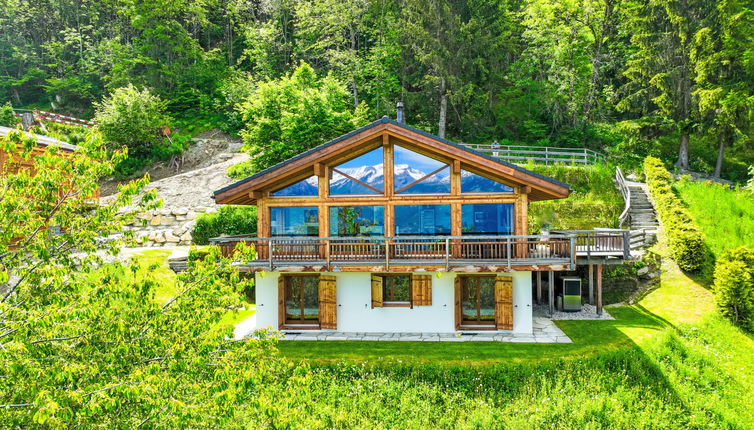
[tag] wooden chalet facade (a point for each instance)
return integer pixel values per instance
(392, 229)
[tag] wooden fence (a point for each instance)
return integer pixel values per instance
(541, 154)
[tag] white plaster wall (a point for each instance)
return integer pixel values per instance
(356, 315)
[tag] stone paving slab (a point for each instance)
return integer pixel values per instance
(545, 331)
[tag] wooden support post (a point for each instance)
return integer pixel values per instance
(599, 289)
(591, 284)
(551, 291)
(539, 287)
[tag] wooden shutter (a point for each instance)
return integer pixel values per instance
(457, 296)
(376, 291)
(421, 290)
(504, 302)
(328, 303)
(281, 302)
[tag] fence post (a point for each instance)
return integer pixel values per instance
(447, 255)
(508, 251)
(626, 244)
(387, 254)
(269, 244)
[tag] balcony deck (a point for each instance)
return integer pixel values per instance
(557, 251)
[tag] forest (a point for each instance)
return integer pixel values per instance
(668, 78)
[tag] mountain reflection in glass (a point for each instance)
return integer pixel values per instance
(306, 187)
(361, 175)
(473, 183)
(422, 219)
(414, 173)
(357, 220)
(294, 221)
(487, 218)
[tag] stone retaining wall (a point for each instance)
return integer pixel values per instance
(166, 227)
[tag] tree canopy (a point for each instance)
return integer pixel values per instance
(651, 77)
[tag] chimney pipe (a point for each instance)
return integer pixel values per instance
(399, 114)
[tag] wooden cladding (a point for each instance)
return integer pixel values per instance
(421, 290)
(457, 302)
(328, 303)
(504, 302)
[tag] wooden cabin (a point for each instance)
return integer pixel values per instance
(391, 229)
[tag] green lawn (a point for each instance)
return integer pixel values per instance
(725, 216)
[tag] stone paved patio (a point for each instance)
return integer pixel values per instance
(545, 331)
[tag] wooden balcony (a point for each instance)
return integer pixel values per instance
(559, 251)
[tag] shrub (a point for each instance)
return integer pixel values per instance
(226, 221)
(133, 118)
(685, 239)
(734, 286)
(7, 116)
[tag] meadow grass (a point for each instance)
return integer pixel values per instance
(725, 216)
(594, 201)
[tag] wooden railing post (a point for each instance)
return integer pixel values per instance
(626, 244)
(508, 251)
(447, 255)
(269, 244)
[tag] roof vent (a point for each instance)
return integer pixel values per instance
(399, 113)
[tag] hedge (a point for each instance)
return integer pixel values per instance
(734, 286)
(685, 239)
(228, 220)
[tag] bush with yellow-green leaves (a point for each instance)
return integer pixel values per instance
(734, 286)
(685, 239)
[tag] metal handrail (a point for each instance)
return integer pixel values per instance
(547, 154)
(626, 193)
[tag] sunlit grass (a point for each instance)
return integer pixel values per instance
(725, 216)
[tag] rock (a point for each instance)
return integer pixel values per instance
(191, 215)
(180, 218)
(167, 220)
(155, 221)
(171, 238)
(159, 238)
(186, 237)
(179, 211)
(643, 271)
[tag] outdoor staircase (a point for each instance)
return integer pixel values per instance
(642, 212)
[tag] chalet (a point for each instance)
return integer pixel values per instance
(42, 142)
(391, 229)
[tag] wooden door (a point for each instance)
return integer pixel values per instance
(457, 295)
(504, 302)
(328, 303)
(281, 302)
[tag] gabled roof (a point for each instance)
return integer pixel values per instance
(42, 140)
(543, 187)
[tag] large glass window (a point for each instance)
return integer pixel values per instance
(294, 221)
(361, 175)
(357, 221)
(422, 219)
(306, 187)
(495, 218)
(473, 183)
(478, 299)
(415, 173)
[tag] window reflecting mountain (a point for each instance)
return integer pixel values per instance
(307, 187)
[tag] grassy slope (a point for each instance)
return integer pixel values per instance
(594, 201)
(725, 216)
(668, 362)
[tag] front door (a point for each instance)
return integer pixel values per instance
(301, 300)
(477, 302)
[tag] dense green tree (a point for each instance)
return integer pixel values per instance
(724, 71)
(660, 67)
(287, 116)
(8, 117)
(132, 118)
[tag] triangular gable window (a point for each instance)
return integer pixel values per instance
(361, 175)
(473, 183)
(418, 174)
(306, 187)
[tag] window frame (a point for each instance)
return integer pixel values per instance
(387, 284)
(286, 278)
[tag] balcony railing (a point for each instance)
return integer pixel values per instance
(561, 248)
